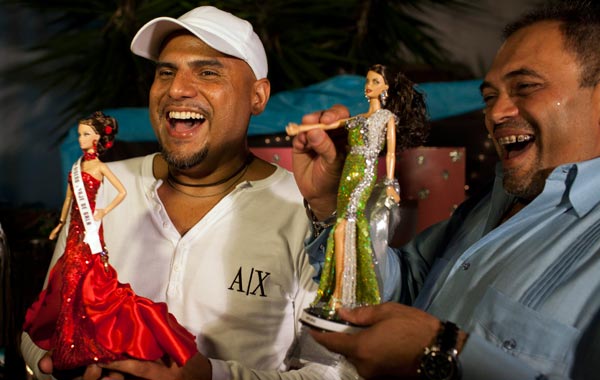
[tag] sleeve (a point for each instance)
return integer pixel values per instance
(32, 355)
(481, 360)
(413, 263)
(224, 370)
(30, 351)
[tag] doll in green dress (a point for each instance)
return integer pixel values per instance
(396, 119)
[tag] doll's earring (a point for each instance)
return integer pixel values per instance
(383, 97)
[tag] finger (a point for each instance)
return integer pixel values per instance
(337, 342)
(369, 315)
(336, 112)
(299, 143)
(113, 375)
(45, 363)
(137, 368)
(312, 118)
(321, 143)
(92, 372)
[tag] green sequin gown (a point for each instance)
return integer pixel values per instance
(366, 137)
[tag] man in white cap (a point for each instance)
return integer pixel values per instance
(207, 228)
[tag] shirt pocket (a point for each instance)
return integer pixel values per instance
(542, 342)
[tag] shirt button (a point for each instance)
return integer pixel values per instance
(509, 344)
(165, 225)
(465, 265)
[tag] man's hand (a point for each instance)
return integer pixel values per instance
(91, 372)
(318, 163)
(392, 344)
(198, 367)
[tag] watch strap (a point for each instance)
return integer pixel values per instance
(318, 226)
(447, 337)
(439, 360)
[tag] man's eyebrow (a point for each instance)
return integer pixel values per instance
(206, 62)
(523, 72)
(485, 84)
(160, 65)
(195, 63)
(515, 73)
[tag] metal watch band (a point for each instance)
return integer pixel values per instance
(317, 225)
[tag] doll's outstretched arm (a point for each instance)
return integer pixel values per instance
(106, 172)
(293, 129)
(63, 214)
(390, 160)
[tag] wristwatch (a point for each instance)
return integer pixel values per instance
(317, 225)
(440, 361)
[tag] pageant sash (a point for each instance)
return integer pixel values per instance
(92, 227)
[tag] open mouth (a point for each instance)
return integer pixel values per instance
(514, 145)
(182, 122)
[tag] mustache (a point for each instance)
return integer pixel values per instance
(513, 123)
(201, 108)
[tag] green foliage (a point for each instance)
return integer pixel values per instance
(86, 50)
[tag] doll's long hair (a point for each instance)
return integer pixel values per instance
(104, 125)
(412, 126)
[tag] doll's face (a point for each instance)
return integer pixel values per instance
(374, 85)
(87, 136)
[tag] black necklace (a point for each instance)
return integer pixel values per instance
(245, 164)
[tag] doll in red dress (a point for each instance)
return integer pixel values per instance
(84, 315)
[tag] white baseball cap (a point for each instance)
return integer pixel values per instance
(220, 30)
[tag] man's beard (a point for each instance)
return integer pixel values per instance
(183, 163)
(525, 189)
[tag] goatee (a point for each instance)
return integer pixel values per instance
(180, 162)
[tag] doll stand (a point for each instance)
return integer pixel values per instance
(319, 319)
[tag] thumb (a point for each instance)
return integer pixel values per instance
(369, 315)
(45, 363)
(322, 144)
(336, 342)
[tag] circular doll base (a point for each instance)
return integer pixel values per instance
(324, 320)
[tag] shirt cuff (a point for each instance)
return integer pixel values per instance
(220, 370)
(315, 249)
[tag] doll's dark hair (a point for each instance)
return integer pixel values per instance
(408, 104)
(104, 125)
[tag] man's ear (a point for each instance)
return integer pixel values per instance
(260, 95)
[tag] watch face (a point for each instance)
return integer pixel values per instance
(436, 365)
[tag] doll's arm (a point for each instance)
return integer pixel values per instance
(121, 192)
(292, 129)
(390, 160)
(63, 214)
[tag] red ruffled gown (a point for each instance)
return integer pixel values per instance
(86, 316)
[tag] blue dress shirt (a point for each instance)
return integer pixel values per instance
(524, 289)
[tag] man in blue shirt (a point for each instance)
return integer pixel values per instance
(517, 269)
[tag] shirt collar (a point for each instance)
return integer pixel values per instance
(582, 183)
(581, 180)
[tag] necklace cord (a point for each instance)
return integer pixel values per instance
(245, 164)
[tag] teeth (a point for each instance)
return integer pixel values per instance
(513, 139)
(186, 115)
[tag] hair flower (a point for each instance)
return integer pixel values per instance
(108, 129)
